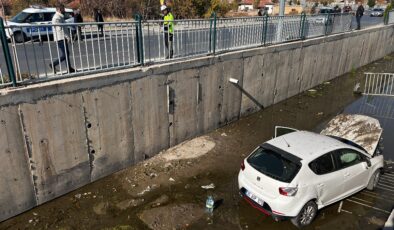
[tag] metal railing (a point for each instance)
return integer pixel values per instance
(98, 47)
(190, 38)
(380, 84)
(89, 49)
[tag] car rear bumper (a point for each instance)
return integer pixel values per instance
(266, 209)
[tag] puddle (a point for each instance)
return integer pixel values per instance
(175, 192)
(381, 108)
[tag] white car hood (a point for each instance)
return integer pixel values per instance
(362, 130)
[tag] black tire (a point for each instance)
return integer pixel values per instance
(19, 37)
(373, 181)
(306, 215)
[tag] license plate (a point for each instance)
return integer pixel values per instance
(254, 198)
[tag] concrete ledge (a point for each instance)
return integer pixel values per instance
(31, 93)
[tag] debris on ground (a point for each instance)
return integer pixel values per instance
(172, 216)
(101, 208)
(223, 135)
(148, 189)
(171, 179)
(209, 186)
(123, 205)
(163, 199)
(78, 196)
(190, 149)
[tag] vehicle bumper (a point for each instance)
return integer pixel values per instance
(266, 209)
(280, 207)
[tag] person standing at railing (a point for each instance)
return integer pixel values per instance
(78, 19)
(359, 14)
(168, 23)
(98, 17)
(61, 38)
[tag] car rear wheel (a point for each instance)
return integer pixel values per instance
(373, 181)
(306, 215)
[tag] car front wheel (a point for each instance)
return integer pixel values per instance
(19, 37)
(306, 215)
(373, 181)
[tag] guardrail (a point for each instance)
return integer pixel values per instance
(29, 51)
(379, 84)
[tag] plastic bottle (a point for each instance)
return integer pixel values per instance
(209, 204)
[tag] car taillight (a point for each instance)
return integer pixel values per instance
(242, 166)
(288, 191)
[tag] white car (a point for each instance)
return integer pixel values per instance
(377, 12)
(294, 175)
(35, 15)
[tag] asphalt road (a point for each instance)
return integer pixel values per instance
(118, 48)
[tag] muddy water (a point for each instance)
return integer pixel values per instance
(176, 199)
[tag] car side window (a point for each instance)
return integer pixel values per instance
(348, 157)
(323, 164)
(36, 17)
(48, 17)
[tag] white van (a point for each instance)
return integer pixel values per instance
(35, 15)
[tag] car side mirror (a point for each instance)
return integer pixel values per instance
(368, 162)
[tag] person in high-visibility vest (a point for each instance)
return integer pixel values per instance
(168, 19)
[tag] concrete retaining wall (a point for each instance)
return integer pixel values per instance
(61, 135)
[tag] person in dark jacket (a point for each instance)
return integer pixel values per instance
(78, 19)
(359, 14)
(98, 17)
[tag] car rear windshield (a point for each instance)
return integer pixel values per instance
(274, 165)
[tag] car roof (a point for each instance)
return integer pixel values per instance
(32, 10)
(307, 145)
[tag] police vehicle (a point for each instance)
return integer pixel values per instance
(20, 25)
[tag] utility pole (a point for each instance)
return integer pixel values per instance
(281, 19)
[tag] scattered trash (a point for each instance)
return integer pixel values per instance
(209, 204)
(171, 179)
(319, 113)
(147, 189)
(94, 197)
(35, 214)
(85, 194)
(114, 189)
(223, 135)
(152, 175)
(312, 91)
(30, 221)
(210, 186)
(327, 83)
(187, 186)
(356, 89)
(78, 196)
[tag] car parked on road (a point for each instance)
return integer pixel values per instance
(377, 12)
(347, 9)
(299, 172)
(35, 15)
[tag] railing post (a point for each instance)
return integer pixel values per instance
(326, 24)
(212, 33)
(7, 54)
(302, 26)
(139, 37)
(265, 29)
